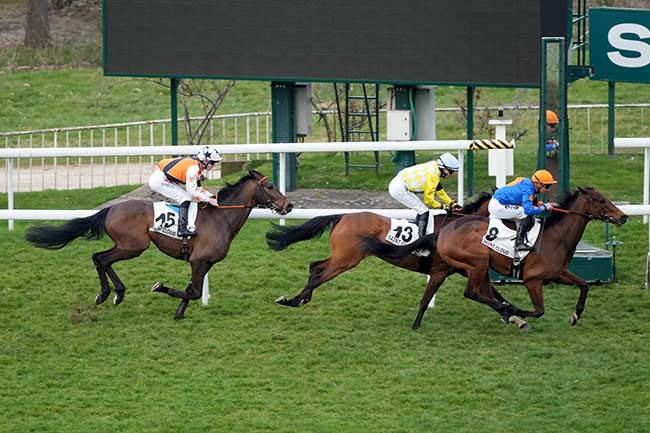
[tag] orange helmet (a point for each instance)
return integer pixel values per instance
(543, 177)
(551, 118)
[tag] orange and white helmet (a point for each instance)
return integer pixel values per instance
(543, 177)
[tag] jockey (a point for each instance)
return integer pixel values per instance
(180, 180)
(425, 178)
(518, 200)
(552, 146)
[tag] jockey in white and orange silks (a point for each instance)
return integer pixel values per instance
(179, 179)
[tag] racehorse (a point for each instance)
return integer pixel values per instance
(458, 248)
(128, 223)
(346, 235)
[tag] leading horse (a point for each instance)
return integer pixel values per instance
(347, 231)
(458, 248)
(128, 223)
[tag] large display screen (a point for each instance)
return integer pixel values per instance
(477, 42)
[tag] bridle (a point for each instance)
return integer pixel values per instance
(270, 204)
(591, 217)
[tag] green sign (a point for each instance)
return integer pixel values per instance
(619, 44)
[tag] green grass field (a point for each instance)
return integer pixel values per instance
(348, 361)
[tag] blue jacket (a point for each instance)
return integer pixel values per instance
(520, 192)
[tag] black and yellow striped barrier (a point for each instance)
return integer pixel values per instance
(491, 144)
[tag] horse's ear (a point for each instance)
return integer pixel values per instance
(582, 190)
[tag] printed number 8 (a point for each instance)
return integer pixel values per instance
(492, 234)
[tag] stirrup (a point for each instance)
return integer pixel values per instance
(524, 247)
(186, 232)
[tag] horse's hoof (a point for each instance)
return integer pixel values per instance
(574, 319)
(521, 324)
(99, 299)
(119, 297)
(282, 300)
(156, 287)
(179, 316)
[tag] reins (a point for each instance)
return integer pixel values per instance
(243, 206)
(591, 217)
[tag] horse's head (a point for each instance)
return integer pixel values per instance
(267, 195)
(601, 208)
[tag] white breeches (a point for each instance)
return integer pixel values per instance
(398, 190)
(158, 182)
(506, 212)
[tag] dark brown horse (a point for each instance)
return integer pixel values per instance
(128, 224)
(347, 231)
(458, 248)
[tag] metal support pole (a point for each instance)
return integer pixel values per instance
(611, 117)
(10, 189)
(470, 136)
(282, 102)
(173, 87)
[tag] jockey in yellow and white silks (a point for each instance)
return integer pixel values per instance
(425, 178)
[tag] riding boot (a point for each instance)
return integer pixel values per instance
(521, 241)
(422, 221)
(182, 220)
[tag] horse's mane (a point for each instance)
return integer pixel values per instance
(473, 205)
(228, 190)
(564, 200)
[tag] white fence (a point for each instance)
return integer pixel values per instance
(36, 174)
(281, 148)
(645, 144)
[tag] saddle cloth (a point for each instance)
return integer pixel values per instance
(165, 219)
(404, 232)
(502, 239)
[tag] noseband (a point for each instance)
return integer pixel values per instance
(270, 204)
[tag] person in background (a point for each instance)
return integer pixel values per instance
(179, 179)
(425, 178)
(552, 146)
(518, 201)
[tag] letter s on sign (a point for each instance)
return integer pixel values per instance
(614, 36)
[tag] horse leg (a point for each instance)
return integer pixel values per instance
(536, 294)
(105, 260)
(480, 289)
(103, 264)
(195, 288)
(320, 272)
(105, 288)
(567, 277)
(435, 281)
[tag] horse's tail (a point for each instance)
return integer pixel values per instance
(374, 246)
(54, 238)
(283, 236)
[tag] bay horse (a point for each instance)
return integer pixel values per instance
(458, 248)
(128, 223)
(347, 231)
